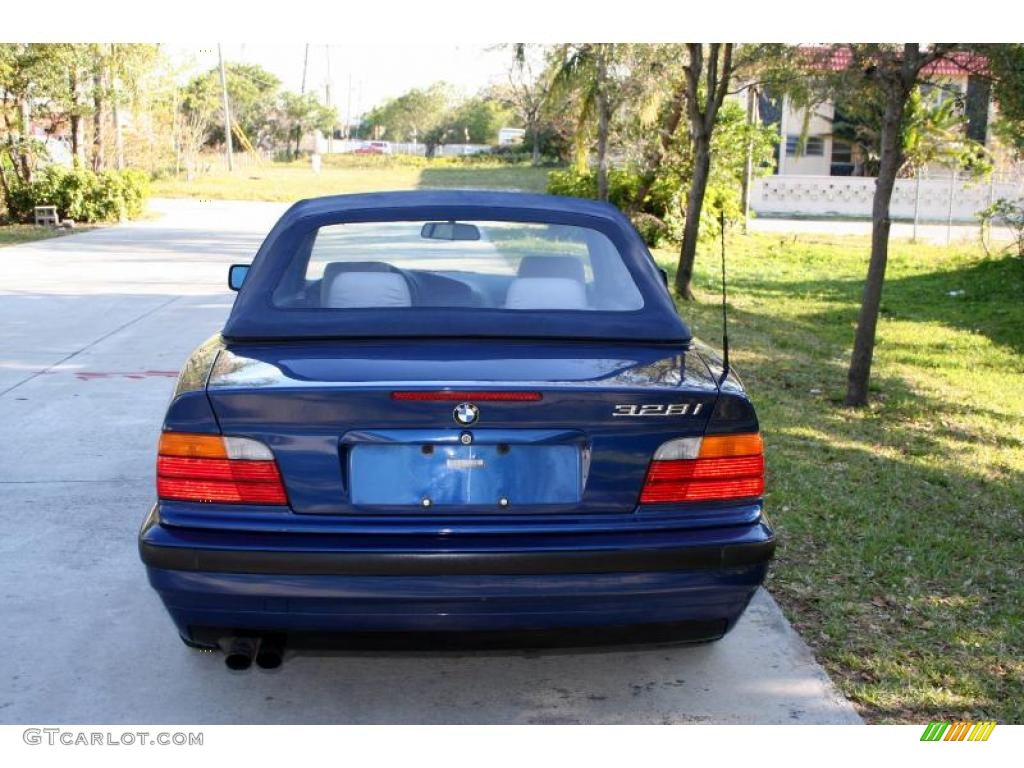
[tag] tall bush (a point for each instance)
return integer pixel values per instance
(82, 194)
(659, 217)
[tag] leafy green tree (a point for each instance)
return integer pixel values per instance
(127, 64)
(886, 75)
(70, 98)
(476, 121)
(417, 115)
(933, 130)
(529, 88)
(593, 73)
(304, 112)
(658, 206)
(253, 92)
(28, 81)
(708, 79)
(880, 85)
(711, 72)
(1006, 72)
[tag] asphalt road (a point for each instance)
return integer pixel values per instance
(93, 328)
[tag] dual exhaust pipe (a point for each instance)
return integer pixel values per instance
(266, 650)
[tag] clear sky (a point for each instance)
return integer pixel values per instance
(378, 72)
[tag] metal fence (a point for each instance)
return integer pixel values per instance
(348, 146)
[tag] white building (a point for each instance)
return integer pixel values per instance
(818, 173)
(509, 136)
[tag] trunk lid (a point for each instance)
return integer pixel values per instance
(346, 445)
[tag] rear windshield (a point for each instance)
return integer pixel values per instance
(472, 264)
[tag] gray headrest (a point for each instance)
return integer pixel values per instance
(350, 290)
(551, 266)
(546, 293)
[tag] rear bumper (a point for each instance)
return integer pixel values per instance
(291, 563)
(317, 584)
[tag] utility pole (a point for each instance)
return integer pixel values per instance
(748, 165)
(302, 92)
(227, 109)
(305, 67)
(348, 109)
(327, 93)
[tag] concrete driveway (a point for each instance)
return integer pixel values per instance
(93, 328)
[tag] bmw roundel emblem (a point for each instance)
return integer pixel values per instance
(466, 413)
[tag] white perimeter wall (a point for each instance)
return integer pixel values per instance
(850, 197)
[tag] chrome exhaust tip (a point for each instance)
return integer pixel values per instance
(271, 652)
(240, 653)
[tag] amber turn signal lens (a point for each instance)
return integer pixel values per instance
(192, 446)
(722, 446)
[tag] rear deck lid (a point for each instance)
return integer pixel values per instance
(479, 426)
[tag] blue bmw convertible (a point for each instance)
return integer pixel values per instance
(454, 412)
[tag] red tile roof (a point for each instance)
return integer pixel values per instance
(838, 58)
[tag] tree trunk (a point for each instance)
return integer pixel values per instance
(118, 138)
(26, 138)
(97, 121)
(75, 118)
(115, 112)
(602, 129)
(77, 147)
(702, 124)
(12, 148)
(535, 135)
(602, 151)
(6, 187)
(867, 320)
(748, 163)
(694, 206)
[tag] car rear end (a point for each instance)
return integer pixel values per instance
(405, 479)
(293, 503)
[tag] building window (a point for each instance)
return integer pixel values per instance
(978, 95)
(842, 158)
(814, 146)
(939, 93)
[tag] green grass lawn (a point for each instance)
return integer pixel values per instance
(902, 542)
(12, 234)
(294, 181)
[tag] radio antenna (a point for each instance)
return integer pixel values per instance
(725, 311)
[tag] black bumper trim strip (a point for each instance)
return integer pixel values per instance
(455, 564)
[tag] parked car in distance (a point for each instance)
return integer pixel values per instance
(454, 411)
(374, 148)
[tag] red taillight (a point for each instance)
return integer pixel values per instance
(725, 467)
(211, 468)
(449, 395)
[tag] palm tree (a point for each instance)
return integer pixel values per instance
(587, 71)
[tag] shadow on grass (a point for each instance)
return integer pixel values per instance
(513, 177)
(985, 297)
(902, 571)
(901, 529)
(992, 302)
(899, 559)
